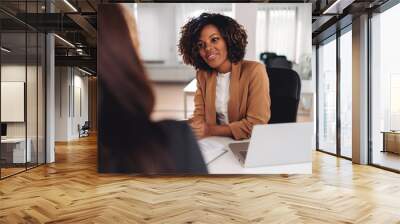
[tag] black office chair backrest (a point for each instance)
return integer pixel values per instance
(272, 60)
(86, 125)
(265, 56)
(279, 62)
(285, 86)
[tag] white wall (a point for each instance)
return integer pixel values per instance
(33, 126)
(172, 73)
(70, 83)
(15, 72)
(61, 103)
(80, 103)
(159, 26)
(155, 24)
(246, 15)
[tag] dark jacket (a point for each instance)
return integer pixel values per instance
(178, 149)
(183, 148)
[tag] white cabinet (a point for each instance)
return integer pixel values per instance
(16, 149)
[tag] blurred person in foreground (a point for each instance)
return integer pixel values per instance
(131, 141)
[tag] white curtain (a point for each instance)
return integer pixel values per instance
(277, 31)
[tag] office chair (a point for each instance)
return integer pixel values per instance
(84, 130)
(265, 56)
(279, 62)
(272, 60)
(285, 86)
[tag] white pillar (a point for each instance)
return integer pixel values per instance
(50, 99)
(360, 90)
(50, 92)
(246, 15)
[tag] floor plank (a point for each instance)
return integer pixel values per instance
(71, 191)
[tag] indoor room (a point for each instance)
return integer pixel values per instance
(174, 80)
(59, 164)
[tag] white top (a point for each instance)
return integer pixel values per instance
(222, 97)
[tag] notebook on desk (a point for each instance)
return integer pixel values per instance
(211, 149)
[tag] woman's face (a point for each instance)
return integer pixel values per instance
(212, 48)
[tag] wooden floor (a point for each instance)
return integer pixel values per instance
(10, 171)
(71, 191)
(387, 159)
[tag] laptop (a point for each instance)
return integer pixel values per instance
(276, 144)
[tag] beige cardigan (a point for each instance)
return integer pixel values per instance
(249, 100)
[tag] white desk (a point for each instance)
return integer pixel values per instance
(190, 89)
(18, 150)
(228, 164)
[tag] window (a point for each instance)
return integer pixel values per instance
(394, 102)
(385, 88)
(276, 27)
(280, 30)
(22, 65)
(327, 97)
(346, 94)
(333, 137)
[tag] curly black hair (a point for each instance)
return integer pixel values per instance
(233, 33)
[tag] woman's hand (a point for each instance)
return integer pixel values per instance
(200, 129)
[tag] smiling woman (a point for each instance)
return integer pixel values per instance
(212, 49)
(232, 94)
